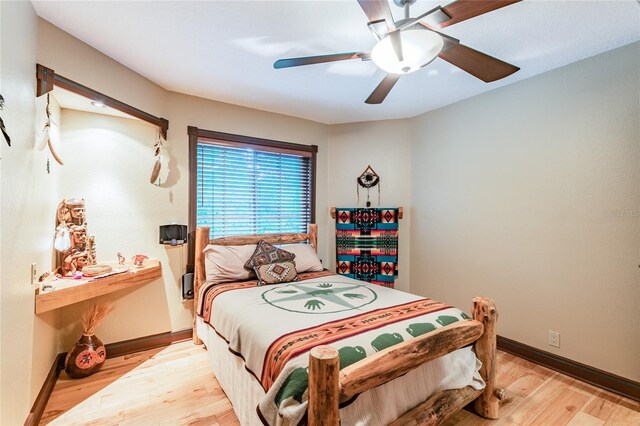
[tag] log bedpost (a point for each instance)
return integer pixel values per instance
(312, 231)
(324, 370)
(484, 311)
(202, 241)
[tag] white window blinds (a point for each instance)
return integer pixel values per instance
(247, 190)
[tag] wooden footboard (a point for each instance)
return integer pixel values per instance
(328, 386)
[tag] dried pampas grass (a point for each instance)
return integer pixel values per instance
(94, 316)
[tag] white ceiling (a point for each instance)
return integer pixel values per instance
(225, 50)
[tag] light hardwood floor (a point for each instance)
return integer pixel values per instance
(175, 386)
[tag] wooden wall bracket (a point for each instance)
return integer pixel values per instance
(47, 79)
(400, 212)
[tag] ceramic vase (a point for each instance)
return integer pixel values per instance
(86, 357)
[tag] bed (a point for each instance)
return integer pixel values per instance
(329, 350)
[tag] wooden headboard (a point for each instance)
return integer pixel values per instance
(202, 241)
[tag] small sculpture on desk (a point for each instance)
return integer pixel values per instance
(121, 259)
(138, 260)
(76, 248)
(47, 287)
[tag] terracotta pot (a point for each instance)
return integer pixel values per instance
(86, 357)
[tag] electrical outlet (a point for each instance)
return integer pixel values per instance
(554, 338)
(34, 274)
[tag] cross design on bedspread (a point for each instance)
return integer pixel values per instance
(319, 298)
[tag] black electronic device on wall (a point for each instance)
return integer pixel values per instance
(187, 285)
(173, 234)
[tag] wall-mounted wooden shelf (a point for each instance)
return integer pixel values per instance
(400, 212)
(71, 291)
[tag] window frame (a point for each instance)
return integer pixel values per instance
(239, 141)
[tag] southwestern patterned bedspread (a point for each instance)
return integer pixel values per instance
(274, 327)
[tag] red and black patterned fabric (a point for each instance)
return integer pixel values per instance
(367, 244)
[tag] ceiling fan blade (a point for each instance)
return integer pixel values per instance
(461, 10)
(434, 17)
(383, 89)
(377, 10)
(396, 42)
(480, 65)
(309, 60)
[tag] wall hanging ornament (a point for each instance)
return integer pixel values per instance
(155, 173)
(2, 128)
(47, 134)
(88, 354)
(368, 179)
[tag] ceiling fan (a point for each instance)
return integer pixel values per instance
(409, 44)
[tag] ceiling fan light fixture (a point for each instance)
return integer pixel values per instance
(419, 47)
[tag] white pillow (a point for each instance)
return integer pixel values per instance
(306, 259)
(226, 263)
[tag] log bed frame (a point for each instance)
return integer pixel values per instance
(329, 386)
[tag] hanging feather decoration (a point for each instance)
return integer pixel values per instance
(47, 126)
(155, 172)
(2, 128)
(158, 164)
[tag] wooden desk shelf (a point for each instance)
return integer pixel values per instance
(74, 293)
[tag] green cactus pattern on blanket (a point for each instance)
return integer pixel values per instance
(420, 328)
(386, 340)
(294, 386)
(350, 355)
(446, 319)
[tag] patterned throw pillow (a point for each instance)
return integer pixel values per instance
(266, 253)
(276, 273)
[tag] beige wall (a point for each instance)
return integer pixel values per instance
(185, 110)
(29, 343)
(530, 194)
(386, 146)
(109, 161)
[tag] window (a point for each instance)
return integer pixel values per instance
(242, 185)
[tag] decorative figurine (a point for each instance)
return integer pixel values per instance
(47, 287)
(76, 249)
(138, 260)
(121, 259)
